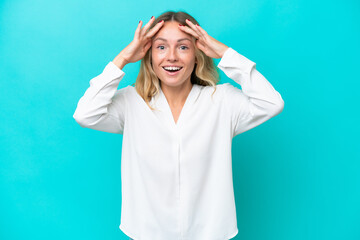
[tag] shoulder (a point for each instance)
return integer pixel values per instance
(226, 93)
(219, 89)
(123, 94)
(216, 93)
(228, 90)
(124, 90)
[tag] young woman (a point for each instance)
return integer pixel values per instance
(178, 124)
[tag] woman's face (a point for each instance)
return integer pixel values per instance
(173, 47)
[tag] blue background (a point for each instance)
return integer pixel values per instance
(296, 176)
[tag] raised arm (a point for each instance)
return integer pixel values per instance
(103, 107)
(257, 102)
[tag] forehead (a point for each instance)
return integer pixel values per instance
(171, 32)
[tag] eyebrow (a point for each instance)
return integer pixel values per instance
(179, 40)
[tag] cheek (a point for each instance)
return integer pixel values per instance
(191, 61)
(156, 57)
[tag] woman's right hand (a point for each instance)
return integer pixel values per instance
(141, 43)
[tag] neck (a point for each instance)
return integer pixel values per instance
(176, 96)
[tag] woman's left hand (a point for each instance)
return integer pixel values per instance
(209, 45)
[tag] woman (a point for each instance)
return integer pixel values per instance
(177, 125)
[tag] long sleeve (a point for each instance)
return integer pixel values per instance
(103, 107)
(257, 102)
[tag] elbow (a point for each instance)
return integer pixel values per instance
(88, 120)
(278, 107)
(80, 120)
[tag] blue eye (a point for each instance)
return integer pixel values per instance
(161, 47)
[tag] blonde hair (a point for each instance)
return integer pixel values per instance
(205, 72)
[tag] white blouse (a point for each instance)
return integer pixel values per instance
(176, 178)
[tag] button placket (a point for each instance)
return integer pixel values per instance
(177, 151)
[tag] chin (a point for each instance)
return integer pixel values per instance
(171, 83)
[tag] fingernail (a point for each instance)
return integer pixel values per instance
(151, 17)
(188, 19)
(181, 24)
(161, 21)
(197, 25)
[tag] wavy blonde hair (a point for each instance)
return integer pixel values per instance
(205, 72)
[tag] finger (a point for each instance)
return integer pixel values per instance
(193, 27)
(137, 31)
(200, 46)
(155, 29)
(146, 27)
(202, 31)
(189, 30)
(147, 46)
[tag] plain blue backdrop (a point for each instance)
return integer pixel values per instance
(295, 177)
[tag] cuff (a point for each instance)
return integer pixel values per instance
(233, 59)
(112, 71)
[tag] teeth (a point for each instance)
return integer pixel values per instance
(172, 68)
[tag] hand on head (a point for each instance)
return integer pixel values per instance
(209, 45)
(141, 43)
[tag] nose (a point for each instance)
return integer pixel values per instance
(172, 55)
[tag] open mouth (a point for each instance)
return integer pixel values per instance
(172, 71)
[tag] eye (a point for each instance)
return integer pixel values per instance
(185, 47)
(160, 47)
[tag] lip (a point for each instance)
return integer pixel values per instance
(172, 73)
